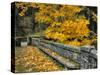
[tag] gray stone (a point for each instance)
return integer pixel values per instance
(23, 44)
(86, 55)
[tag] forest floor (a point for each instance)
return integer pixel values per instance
(31, 59)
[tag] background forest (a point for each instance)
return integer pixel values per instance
(67, 24)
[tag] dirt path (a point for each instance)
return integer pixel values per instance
(31, 59)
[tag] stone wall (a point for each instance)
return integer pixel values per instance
(86, 56)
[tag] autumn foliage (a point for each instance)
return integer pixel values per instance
(30, 58)
(62, 23)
